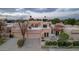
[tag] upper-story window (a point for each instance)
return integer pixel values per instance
(34, 25)
(44, 26)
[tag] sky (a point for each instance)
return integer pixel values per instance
(12, 13)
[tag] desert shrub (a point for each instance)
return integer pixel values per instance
(67, 44)
(63, 40)
(76, 43)
(2, 40)
(63, 36)
(20, 43)
(50, 43)
(54, 43)
(60, 43)
(64, 43)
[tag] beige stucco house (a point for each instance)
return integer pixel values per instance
(35, 29)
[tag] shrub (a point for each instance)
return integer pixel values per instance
(2, 40)
(67, 44)
(54, 43)
(20, 43)
(50, 43)
(76, 43)
(60, 43)
(63, 36)
(64, 43)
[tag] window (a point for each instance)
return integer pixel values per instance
(45, 26)
(36, 25)
(46, 34)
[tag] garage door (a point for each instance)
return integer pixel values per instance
(33, 43)
(34, 36)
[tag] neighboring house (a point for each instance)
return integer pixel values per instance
(58, 28)
(3, 27)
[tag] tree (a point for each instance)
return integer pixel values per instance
(73, 21)
(23, 27)
(76, 43)
(2, 25)
(63, 36)
(55, 20)
(2, 32)
(77, 22)
(70, 21)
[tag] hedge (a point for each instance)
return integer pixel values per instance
(64, 43)
(76, 43)
(50, 43)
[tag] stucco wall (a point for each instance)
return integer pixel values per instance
(31, 33)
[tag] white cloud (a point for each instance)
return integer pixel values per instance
(14, 14)
(19, 9)
(41, 9)
(61, 12)
(62, 9)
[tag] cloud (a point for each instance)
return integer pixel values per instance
(41, 12)
(19, 9)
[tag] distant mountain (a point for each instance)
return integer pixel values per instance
(10, 17)
(76, 16)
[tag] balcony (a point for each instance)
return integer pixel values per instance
(35, 28)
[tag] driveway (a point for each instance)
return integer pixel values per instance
(30, 45)
(70, 28)
(9, 45)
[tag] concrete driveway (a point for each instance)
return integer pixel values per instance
(9, 45)
(30, 45)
